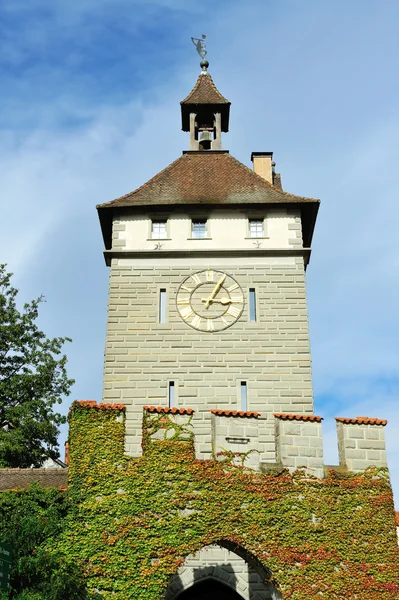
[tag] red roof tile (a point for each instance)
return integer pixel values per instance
(101, 405)
(362, 421)
(166, 410)
(290, 417)
(206, 178)
(234, 413)
(205, 92)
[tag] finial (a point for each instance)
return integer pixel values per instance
(204, 64)
(200, 46)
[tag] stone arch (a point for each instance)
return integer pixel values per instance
(209, 588)
(222, 564)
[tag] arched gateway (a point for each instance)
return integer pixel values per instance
(223, 571)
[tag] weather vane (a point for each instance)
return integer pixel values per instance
(200, 46)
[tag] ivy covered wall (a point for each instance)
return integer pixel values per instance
(135, 520)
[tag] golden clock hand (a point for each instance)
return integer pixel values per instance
(215, 291)
(223, 300)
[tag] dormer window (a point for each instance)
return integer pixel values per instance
(158, 230)
(256, 228)
(198, 228)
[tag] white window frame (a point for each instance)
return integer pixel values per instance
(205, 230)
(259, 230)
(159, 235)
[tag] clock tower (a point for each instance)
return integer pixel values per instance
(207, 300)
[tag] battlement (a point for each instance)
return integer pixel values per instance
(236, 437)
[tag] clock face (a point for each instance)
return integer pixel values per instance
(210, 300)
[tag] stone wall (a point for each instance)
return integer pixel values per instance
(272, 355)
(221, 565)
(361, 443)
(299, 443)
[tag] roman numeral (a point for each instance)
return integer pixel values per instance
(233, 287)
(225, 321)
(237, 299)
(186, 312)
(209, 275)
(196, 278)
(183, 301)
(233, 311)
(209, 325)
(189, 290)
(196, 322)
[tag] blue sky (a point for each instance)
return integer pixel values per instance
(89, 110)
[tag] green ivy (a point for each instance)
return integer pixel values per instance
(133, 521)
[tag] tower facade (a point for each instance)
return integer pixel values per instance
(207, 300)
(201, 473)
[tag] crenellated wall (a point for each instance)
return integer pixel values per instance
(172, 525)
(298, 442)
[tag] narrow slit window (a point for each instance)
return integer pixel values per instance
(244, 396)
(158, 231)
(198, 228)
(256, 228)
(171, 394)
(162, 306)
(252, 304)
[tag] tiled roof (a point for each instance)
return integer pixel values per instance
(166, 410)
(206, 178)
(205, 92)
(362, 421)
(101, 405)
(289, 417)
(234, 413)
(18, 479)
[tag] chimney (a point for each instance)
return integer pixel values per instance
(263, 165)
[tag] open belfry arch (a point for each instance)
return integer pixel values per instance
(201, 473)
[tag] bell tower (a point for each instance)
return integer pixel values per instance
(207, 312)
(205, 113)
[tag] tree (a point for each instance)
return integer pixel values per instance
(33, 379)
(31, 522)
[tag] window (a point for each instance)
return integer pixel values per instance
(171, 394)
(256, 228)
(198, 228)
(158, 231)
(244, 403)
(252, 304)
(162, 306)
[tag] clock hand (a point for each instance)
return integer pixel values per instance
(221, 301)
(215, 291)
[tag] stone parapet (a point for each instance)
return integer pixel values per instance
(299, 442)
(361, 443)
(235, 437)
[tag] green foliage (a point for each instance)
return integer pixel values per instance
(131, 522)
(33, 379)
(137, 519)
(29, 521)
